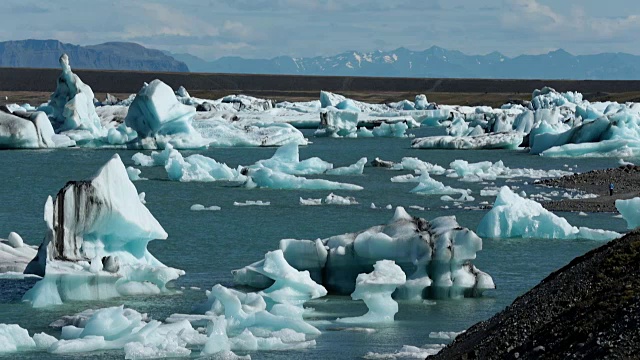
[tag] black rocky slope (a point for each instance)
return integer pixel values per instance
(590, 309)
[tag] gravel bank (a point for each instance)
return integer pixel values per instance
(626, 179)
(590, 309)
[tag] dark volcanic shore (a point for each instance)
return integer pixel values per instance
(626, 181)
(590, 309)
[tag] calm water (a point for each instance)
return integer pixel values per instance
(209, 244)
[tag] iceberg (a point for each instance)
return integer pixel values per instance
(515, 217)
(486, 170)
(15, 254)
(23, 130)
(354, 169)
(418, 166)
(72, 108)
(268, 178)
(95, 247)
(199, 207)
(287, 160)
(252, 203)
(15, 339)
(630, 211)
(508, 140)
(134, 174)
(157, 117)
(375, 290)
(335, 122)
(436, 254)
(429, 186)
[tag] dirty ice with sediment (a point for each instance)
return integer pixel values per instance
(195, 232)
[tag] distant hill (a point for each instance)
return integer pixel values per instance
(434, 62)
(107, 56)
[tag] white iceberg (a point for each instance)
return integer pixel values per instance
(72, 108)
(158, 118)
(354, 169)
(375, 290)
(508, 140)
(268, 178)
(418, 166)
(200, 207)
(630, 211)
(96, 243)
(515, 217)
(430, 186)
(287, 160)
(435, 254)
(15, 254)
(22, 130)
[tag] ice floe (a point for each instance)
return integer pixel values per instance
(630, 211)
(515, 217)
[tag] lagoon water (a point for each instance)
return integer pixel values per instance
(209, 244)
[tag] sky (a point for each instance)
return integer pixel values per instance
(212, 29)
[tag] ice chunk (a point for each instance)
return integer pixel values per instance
(134, 174)
(335, 122)
(354, 169)
(72, 105)
(199, 207)
(418, 166)
(437, 255)
(630, 211)
(513, 216)
(267, 178)
(252, 203)
(407, 352)
(96, 243)
(25, 130)
(15, 254)
(375, 290)
(509, 140)
(310, 202)
(333, 199)
(155, 113)
(429, 186)
(287, 160)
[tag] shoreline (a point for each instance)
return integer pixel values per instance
(625, 178)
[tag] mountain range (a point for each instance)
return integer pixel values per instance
(435, 62)
(107, 56)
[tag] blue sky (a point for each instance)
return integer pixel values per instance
(268, 28)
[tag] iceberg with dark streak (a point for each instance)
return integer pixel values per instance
(435, 256)
(95, 247)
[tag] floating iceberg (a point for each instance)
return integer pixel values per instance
(418, 166)
(134, 174)
(267, 178)
(287, 160)
(338, 123)
(15, 339)
(509, 140)
(630, 211)
(429, 186)
(486, 170)
(15, 254)
(252, 203)
(156, 114)
(331, 199)
(96, 243)
(515, 217)
(72, 108)
(354, 169)
(22, 130)
(199, 207)
(375, 290)
(436, 254)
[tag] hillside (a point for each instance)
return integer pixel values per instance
(590, 309)
(107, 56)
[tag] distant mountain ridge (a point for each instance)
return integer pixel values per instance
(435, 62)
(107, 56)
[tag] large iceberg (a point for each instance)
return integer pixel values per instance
(375, 290)
(72, 108)
(20, 129)
(513, 216)
(268, 178)
(435, 254)
(157, 116)
(96, 243)
(630, 211)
